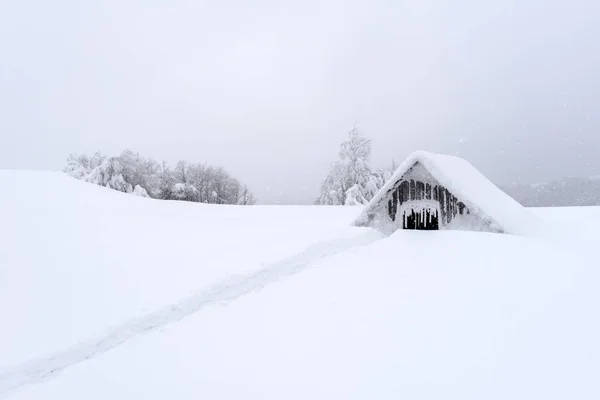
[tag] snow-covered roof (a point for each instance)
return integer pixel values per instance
(466, 183)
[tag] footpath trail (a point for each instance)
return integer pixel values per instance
(43, 369)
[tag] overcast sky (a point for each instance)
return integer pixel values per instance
(268, 89)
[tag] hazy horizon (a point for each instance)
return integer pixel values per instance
(269, 91)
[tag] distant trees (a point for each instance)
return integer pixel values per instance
(351, 180)
(131, 173)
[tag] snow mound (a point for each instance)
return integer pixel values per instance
(140, 191)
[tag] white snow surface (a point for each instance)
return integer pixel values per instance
(78, 258)
(465, 182)
(105, 295)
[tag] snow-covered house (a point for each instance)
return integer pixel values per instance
(433, 191)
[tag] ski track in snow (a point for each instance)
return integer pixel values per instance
(43, 369)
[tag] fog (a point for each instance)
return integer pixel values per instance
(268, 89)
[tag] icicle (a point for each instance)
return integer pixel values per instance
(445, 198)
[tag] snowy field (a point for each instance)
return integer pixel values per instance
(104, 295)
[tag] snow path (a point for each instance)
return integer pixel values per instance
(43, 369)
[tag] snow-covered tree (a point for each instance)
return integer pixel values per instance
(139, 171)
(351, 180)
(117, 182)
(332, 189)
(185, 192)
(354, 197)
(131, 173)
(109, 173)
(245, 197)
(78, 166)
(166, 181)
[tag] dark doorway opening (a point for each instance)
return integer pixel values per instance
(421, 220)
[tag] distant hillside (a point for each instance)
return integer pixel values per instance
(565, 192)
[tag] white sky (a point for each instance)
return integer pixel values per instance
(268, 89)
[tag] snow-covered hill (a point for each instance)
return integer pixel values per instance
(105, 295)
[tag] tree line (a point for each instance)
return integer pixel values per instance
(131, 173)
(350, 181)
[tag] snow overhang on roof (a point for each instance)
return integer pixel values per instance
(466, 183)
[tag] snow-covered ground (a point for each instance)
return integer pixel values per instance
(106, 295)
